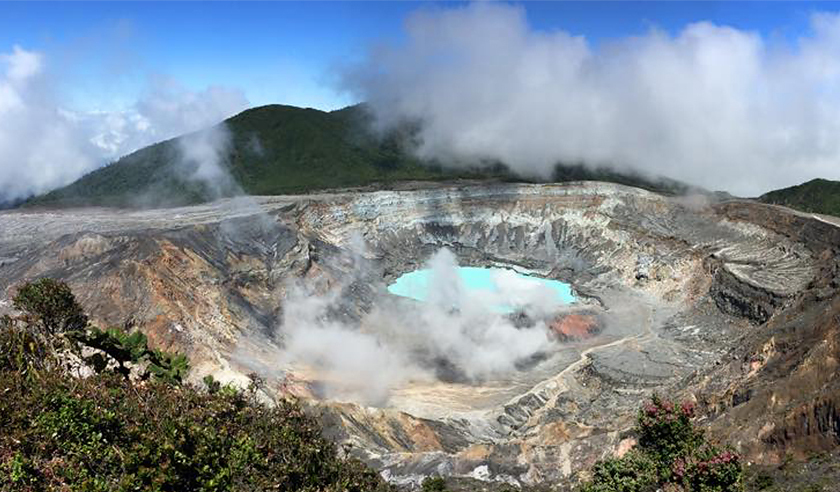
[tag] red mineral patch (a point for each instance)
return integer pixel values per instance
(575, 326)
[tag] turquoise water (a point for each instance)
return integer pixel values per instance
(504, 290)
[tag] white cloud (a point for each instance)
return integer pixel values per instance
(21, 64)
(712, 105)
(39, 147)
(44, 144)
(168, 108)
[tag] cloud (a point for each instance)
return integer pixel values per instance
(712, 105)
(45, 144)
(169, 108)
(39, 146)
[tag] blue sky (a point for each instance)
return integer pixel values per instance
(285, 52)
(738, 96)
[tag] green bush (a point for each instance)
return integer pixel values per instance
(18, 470)
(672, 455)
(21, 349)
(51, 306)
(433, 484)
(762, 481)
(634, 472)
(665, 430)
(104, 433)
(133, 348)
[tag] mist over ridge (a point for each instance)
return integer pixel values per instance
(713, 105)
(45, 143)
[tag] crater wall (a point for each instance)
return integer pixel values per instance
(692, 295)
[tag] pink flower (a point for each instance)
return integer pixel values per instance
(725, 457)
(679, 468)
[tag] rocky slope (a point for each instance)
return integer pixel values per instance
(732, 304)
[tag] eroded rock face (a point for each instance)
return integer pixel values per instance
(733, 305)
(776, 393)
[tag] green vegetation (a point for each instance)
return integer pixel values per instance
(50, 309)
(433, 484)
(133, 348)
(819, 196)
(283, 149)
(108, 432)
(672, 455)
(51, 306)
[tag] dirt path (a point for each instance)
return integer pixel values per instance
(559, 380)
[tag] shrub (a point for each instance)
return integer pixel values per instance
(763, 481)
(21, 349)
(18, 470)
(105, 433)
(672, 455)
(635, 471)
(51, 305)
(665, 430)
(133, 348)
(433, 484)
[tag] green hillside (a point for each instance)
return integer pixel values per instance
(281, 150)
(819, 196)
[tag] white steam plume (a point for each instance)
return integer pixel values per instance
(403, 340)
(714, 106)
(45, 144)
(203, 157)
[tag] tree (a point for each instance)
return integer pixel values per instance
(52, 306)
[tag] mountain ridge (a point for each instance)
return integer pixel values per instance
(821, 196)
(279, 149)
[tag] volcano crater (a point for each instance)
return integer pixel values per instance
(671, 294)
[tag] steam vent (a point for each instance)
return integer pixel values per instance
(593, 297)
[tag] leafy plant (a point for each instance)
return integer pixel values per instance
(211, 384)
(434, 484)
(666, 431)
(51, 305)
(634, 472)
(763, 481)
(107, 433)
(133, 348)
(672, 455)
(19, 470)
(22, 349)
